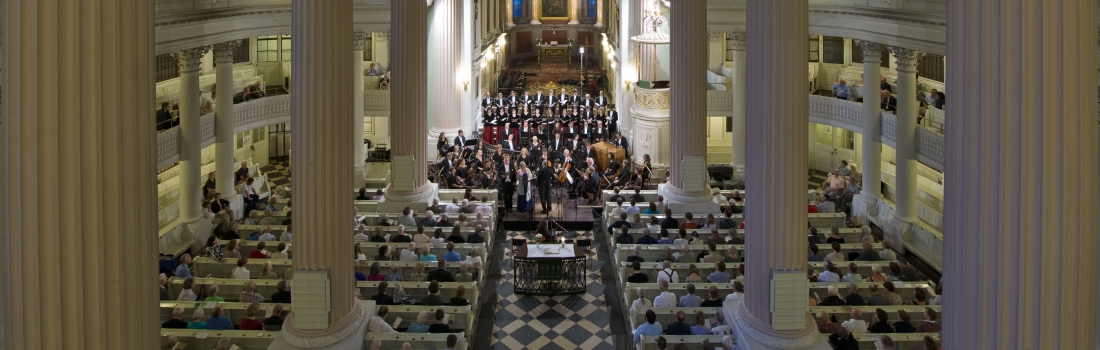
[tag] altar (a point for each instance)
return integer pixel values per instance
(554, 53)
(549, 269)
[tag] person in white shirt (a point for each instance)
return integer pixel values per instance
(618, 209)
(409, 254)
(886, 254)
(661, 203)
(720, 326)
(267, 236)
(483, 207)
(287, 236)
(718, 197)
(377, 324)
(360, 235)
(856, 324)
(738, 292)
(666, 298)
(241, 272)
(454, 207)
(667, 274)
(640, 302)
(829, 275)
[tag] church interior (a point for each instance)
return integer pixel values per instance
(549, 174)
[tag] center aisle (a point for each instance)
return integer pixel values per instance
(590, 321)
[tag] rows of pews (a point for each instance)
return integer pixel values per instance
(209, 272)
(683, 262)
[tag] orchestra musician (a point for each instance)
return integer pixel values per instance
(577, 143)
(612, 167)
(507, 181)
(488, 179)
(508, 144)
(443, 146)
(460, 140)
(647, 168)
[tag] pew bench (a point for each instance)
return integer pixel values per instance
(905, 290)
(370, 249)
(843, 313)
(425, 341)
(822, 221)
(650, 252)
(651, 195)
(850, 235)
(207, 339)
(705, 269)
(690, 341)
(235, 311)
(230, 288)
(210, 267)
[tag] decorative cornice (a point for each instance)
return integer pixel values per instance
(716, 36)
(906, 59)
(223, 52)
(880, 16)
(359, 40)
(205, 17)
(384, 36)
(872, 52)
(739, 40)
(190, 60)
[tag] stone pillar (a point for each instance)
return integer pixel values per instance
(321, 103)
(599, 13)
(688, 108)
(443, 48)
(904, 219)
(190, 62)
(409, 53)
(629, 26)
(775, 237)
(574, 10)
(1020, 235)
(509, 23)
(716, 51)
(872, 130)
(78, 198)
(536, 11)
(739, 41)
(359, 154)
(223, 120)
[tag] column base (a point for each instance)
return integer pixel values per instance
(236, 203)
(863, 207)
(533, 21)
(200, 230)
(750, 334)
(680, 201)
(573, 21)
(896, 232)
(418, 200)
(348, 333)
(599, 25)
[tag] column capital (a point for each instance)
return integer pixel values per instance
(907, 59)
(872, 51)
(190, 60)
(359, 40)
(740, 40)
(716, 36)
(223, 52)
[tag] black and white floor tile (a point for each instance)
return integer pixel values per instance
(816, 178)
(278, 174)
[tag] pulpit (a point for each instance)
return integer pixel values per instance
(604, 152)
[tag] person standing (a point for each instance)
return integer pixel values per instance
(544, 180)
(523, 187)
(507, 182)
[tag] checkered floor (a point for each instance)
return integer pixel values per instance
(816, 178)
(564, 322)
(278, 174)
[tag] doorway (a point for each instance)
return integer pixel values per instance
(831, 145)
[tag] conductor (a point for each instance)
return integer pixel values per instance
(545, 178)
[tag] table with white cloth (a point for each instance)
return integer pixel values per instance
(549, 269)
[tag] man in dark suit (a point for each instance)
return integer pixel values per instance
(163, 116)
(382, 298)
(588, 102)
(509, 145)
(460, 140)
(621, 141)
(507, 182)
(441, 274)
(612, 119)
(670, 222)
(889, 102)
(601, 100)
(540, 100)
(544, 179)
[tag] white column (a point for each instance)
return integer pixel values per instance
(630, 12)
(359, 154)
(443, 48)
(716, 51)
(1021, 158)
(410, 32)
(223, 119)
(574, 8)
(321, 103)
(508, 7)
(904, 218)
(688, 107)
(775, 238)
(78, 199)
(872, 130)
(599, 13)
(469, 99)
(536, 11)
(739, 41)
(190, 62)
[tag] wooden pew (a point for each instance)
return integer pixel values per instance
(666, 315)
(370, 206)
(206, 339)
(650, 252)
(905, 290)
(209, 267)
(425, 341)
(463, 316)
(906, 341)
(245, 230)
(820, 221)
(863, 268)
(651, 195)
(850, 235)
(230, 288)
(691, 341)
(235, 311)
(370, 249)
(843, 313)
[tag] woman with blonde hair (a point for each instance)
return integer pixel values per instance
(213, 294)
(268, 272)
(418, 274)
(475, 256)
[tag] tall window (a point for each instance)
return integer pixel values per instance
(884, 56)
(931, 67)
(590, 8)
(368, 48)
(285, 46)
(273, 48)
(241, 55)
(814, 49)
(833, 49)
(167, 67)
(517, 9)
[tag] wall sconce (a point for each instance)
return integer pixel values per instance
(483, 64)
(465, 85)
(628, 85)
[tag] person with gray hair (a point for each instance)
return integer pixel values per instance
(856, 324)
(196, 320)
(666, 298)
(667, 274)
(249, 294)
(727, 344)
(225, 343)
(679, 327)
(641, 301)
(177, 321)
(463, 275)
(636, 256)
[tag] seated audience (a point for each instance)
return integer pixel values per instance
(460, 297)
(856, 324)
(212, 294)
(463, 275)
(690, 299)
(241, 272)
(249, 294)
(832, 299)
(283, 293)
(719, 275)
(637, 276)
(432, 299)
(679, 327)
(880, 325)
(441, 274)
(409, 254)
(712, 298)
(378, 324)
(451, 255)
(843, 340)
(929, 325)
(422, 323)
(177, 321)
(196, 320)
(825, 324)
(186, 294)
(275, 321)
(382, 298)
(183, 271)
(249, 322)
(218, 320)
(641, 301)
(419, 273)
(651, 327)
(853, 298)
(440, 325)
(700, 327)
(666, 298)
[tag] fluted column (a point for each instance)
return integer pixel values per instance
(738, 88)
(630, 12)
(1021, 158)
(775, 238)
(574, 8)
(321, 103)
(223, 118)
(410, 118)
(444, 47)
(359, 154)
(190, 62)
(78, 199)
(688, 101)
(509, 23)
(599, 13)
(872, 130)
(536, 11)
(905, 199)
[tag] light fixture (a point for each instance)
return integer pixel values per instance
(483, 64)
(489, 56)
(582, 50)
(612, 64)
(465, 84)
(501, 41)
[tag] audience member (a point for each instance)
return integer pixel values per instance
(832, 299)
(283, 293)
(679, 327)
(826, 325)
(856, 324)
(813, 253)
(282, 253)
(249, 294)
(432, 299)
(929, 325)
(419, 273)
(422, 323)
(868, 254)
(880, 325)
(712, 298)
(830, 274)
(719, 275)
(651, 327)
(451, 255)
(196, 320)
(843, 340)
(853, 298)
(641, 301)
(183, 271)
(903, 325)
(212, 294)
(440, 325)
(177, 321)
(700, 327)
(690, 299)
(274, 322)
(409, 254)
(893, 297)
(378, 324)
(460, 297)
(463, 275)
(249, 322)
(666, 298)
(218, 320)
(186, 294)
(836, 256)
(667, 274)
(441, 274)
(475, 237)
